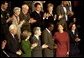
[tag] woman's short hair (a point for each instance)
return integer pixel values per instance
(50, 5)
(57, 25)
(71, 24)
(12, 26)
(16, 8)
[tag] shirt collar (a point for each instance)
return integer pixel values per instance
(37, 37)
(73, 31)
(12, 35)
(48, 30)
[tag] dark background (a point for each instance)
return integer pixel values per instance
(77, 8)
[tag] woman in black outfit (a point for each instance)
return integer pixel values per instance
(74, 41)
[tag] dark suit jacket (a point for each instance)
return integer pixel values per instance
(74, 50)
(60, 11)
(37, 51)
(3, 24)
(26, 25)
(37, 17)
(47, 39)
(12, 45)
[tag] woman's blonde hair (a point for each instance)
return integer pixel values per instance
(50, 5)
(16, 8)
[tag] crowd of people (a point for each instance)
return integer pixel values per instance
(39, 32)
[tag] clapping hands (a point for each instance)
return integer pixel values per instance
(44, 46)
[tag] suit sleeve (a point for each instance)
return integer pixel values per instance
(33, 40)
(44, 38)
(68, 43)
(54, 37)
(46, 41)
(58, 10)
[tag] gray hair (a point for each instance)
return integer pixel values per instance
(12, 26)
(25, 6)
(16, 8)
(36, 29)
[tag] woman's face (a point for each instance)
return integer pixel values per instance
(17, 12)
(60, 27)
(50, 9)
(14, 31)
(73, 27)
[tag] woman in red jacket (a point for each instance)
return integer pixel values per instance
(62, 40)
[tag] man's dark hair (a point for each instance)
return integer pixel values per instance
(35, 5)
(48, 25)
(3, 2)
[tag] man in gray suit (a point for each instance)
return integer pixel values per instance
(63, 12)
(48, 40)
(36, 43)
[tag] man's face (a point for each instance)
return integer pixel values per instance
(51, 27)
(17, 12)
(39, 32)
(38, 8)
(65, 3)
(14, 31)
(5, 6)
(25, 9)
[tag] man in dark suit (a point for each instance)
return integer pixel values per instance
(24, 15)
(36, 43)
(4, 17)
(63, 11)
(48, 40)
(12, 47)
(3, 52)
(37, 16)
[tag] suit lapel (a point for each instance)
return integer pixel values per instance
(38, 41)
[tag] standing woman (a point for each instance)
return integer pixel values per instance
(16, 20)
(25, 44)
(74, 41)
(49, 15)
(62, 40)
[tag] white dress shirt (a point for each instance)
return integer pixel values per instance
(48, 30)
(73, 31)
(65, 10)
(13, 35)
(37, 37)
